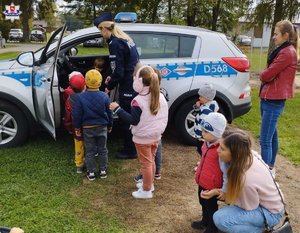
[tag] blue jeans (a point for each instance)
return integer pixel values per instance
(158, 157)
(270, 112)
(233, 219)
(95, 142)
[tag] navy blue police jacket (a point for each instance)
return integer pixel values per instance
(123, 59)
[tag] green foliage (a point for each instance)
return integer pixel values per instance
(288, 127)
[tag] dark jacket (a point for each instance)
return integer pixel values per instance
(123, 58)
(92, 109)
(278, 78)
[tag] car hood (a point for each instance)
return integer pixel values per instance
(6, 64)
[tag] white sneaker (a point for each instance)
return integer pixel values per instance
(141, 194)
(140, 186)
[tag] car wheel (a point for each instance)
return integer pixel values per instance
(13, 125)
(184, 119)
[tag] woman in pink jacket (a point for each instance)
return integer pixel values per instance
(277, 85)
(251, 193)
(148, 118)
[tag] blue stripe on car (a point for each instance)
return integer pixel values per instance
(22, 77)
(210, 68)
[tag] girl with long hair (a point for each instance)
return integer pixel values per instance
(148, 118)
(251, 191)
(277, 85)
(123, 57)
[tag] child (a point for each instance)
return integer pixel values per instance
(203, 107)
(148, 119)
(99, 65)
(158, 155)
(68, 91)
(77, 85)
(92, 114)
(209, 175)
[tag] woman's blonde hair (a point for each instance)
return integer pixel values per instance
(285, 26)
(151, 77)
(239, 145)
(115, 30)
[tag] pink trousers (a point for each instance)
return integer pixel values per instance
(146, 155)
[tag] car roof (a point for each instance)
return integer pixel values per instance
(188, 30)
(149, 27)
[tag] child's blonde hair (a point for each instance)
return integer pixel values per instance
(115, 30)
(151, 77)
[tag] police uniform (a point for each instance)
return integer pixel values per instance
(123, 59)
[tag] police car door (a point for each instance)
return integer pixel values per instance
(44, 78)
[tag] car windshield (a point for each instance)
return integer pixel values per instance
(14, 30)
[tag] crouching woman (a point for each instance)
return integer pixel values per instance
(251, 190)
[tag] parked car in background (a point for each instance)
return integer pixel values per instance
(244, 40)
(38, 35)
(15, 34)
(31, 86)
(97, 42)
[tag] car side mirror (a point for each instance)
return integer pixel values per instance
(73, 52)
(26, 59)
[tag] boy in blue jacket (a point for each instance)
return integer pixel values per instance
(92, 114)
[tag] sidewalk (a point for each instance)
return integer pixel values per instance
(21, 47)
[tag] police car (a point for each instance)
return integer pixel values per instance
(31, 85)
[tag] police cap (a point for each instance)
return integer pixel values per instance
(106, 16)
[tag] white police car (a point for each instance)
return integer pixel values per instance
(31, 86)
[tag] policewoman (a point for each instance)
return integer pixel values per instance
(123, 57)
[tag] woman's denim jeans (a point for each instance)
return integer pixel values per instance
(234, 219)
(270, 112)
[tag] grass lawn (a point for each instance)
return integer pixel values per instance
(41, 192)
(9, 55)
(288, 126)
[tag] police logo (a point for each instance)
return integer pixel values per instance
(113, 65)
(12, 12)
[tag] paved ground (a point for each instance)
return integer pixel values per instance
(22, 47)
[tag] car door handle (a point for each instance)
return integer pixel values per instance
(183, 69)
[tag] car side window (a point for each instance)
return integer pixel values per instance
(96, 46)
(151, 45)
(162, 45)
(187, 44)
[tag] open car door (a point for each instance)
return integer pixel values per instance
(44, 76)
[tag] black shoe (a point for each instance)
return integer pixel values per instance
(199, 225)
(123, 155)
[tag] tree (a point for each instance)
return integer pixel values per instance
(271, 11)
(46, 11)
(26, 17)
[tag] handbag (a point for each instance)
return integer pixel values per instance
(286, 226)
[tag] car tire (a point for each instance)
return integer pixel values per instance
(184, 120)
(13, 125)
